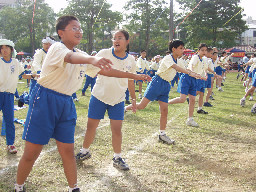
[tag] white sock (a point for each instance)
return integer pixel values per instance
(84, 150)
(117, 155)
(71, 189)
(243, 98)
(18, 187)
(162, 132)
(190, 118)
(199, 108)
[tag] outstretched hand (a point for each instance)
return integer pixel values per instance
(143, 77)
(102, 63)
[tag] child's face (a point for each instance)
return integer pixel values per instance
(143, 54)
(178, 51)
(119, 42)
(46, 46)
(72, 35)
(202, 52)
(214, 57)
(209, 54)
(6, 51)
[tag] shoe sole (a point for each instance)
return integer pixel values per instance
(165, 142)
(123, 169)
(82, 159)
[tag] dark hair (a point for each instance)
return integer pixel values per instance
(127, 36)
(215, 53)
(167, 52)
(143, 50)
(175, 44)
(202, 45)
(209, 49)
(7, 46)
(63, 21)
(223, 52)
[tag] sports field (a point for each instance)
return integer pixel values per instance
(220, 155)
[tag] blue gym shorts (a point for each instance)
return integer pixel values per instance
(251, 74)
(188, 85)
(254, 83)
(219, 70)
(247, 69)
(208, 83)
(97, 109)
(50, 115)
(158, 89)
(200, 85)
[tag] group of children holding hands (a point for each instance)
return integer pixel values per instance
(62, 67)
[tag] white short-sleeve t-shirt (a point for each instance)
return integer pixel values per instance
(198, 65)
(111, 90)
(165, 70)
(9, 73)
(38, 60)
(63, 77)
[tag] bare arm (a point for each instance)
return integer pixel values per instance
(122, 74)
(79, 58)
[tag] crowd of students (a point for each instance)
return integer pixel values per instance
(57, 72)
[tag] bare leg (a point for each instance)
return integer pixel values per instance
(140, 87)
(31, 153)
(92, 124)
(143, 103)
(191, 105)
(116, 126)
(250, 91)
(164, 112)
(66, 151)
(180, 99)
(201, 99)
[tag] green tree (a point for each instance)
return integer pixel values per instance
(148, 23)
(206, 23)
(16, 24)
(97, 20)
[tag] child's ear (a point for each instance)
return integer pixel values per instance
(60, 33)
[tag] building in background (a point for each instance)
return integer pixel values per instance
(249, 36)
(11, 3)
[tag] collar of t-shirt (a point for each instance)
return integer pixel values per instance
(200, 58)
(44, 51)
(66, 46)
(121, 58)
(6, 61)
(174, 60)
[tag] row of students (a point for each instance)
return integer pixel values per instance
(52, 112)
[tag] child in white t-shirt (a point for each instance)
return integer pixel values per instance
(10, 68)
(109, 94)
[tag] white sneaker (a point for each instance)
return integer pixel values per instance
(246, 89)
(140, 96)
(251, 98)
(220, 89)
(242, 102)
(76, 99)
(245, 83)
(165, 139)
(192, 123)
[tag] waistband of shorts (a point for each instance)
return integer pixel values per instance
(52, 91)
(157, 76)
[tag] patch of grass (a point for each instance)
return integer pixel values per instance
(217, 156)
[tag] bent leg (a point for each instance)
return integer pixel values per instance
(31, 153)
